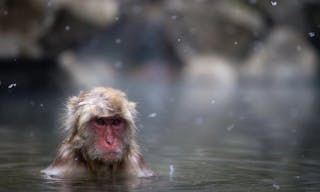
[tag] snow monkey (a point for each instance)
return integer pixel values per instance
(100, 139)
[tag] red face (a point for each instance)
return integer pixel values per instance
(108, 136)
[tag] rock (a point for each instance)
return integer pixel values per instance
(284, 57)
(37, 28)
(22, 23)
(221, 27)
(210, 70)
(86, 73)
(100, 12)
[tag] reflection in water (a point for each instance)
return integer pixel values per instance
(197, 138)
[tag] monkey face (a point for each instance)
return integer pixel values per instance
(108, 137)
(102, 123)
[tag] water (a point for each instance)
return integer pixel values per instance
(248, 139)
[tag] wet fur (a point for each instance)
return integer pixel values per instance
(77, 157)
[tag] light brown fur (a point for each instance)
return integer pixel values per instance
(77, 157)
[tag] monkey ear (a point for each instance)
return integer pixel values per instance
(72, 103)
(132, 109)
(71, 118)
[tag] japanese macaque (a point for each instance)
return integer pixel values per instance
(100, 138)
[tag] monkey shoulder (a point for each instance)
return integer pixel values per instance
(67, 170)
(66, 165)
(138, 168)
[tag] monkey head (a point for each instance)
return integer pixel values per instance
(100, 124)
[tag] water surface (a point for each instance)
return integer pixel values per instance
(195, 138)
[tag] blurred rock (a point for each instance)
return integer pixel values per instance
(85, 73)
(284, 57)
(222, 27)
(157, 37)
(37, 28)
(22, 23)
(139, 40)
(99, 12)
(280, 13)
(167, 34)
(210, 70)
(212, 78)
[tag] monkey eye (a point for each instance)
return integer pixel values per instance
(100, 121)
(116, 122)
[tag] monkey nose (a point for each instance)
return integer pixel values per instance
(109, 140)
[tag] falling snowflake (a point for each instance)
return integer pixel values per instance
(230, 127)
(152, 115)
(118, 41)
(277, 187)
(171, 167)
(174, 17)
(312, 34)
(274, 3)
(12, 85)
(67, 28)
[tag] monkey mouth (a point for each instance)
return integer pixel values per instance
(111, 155)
